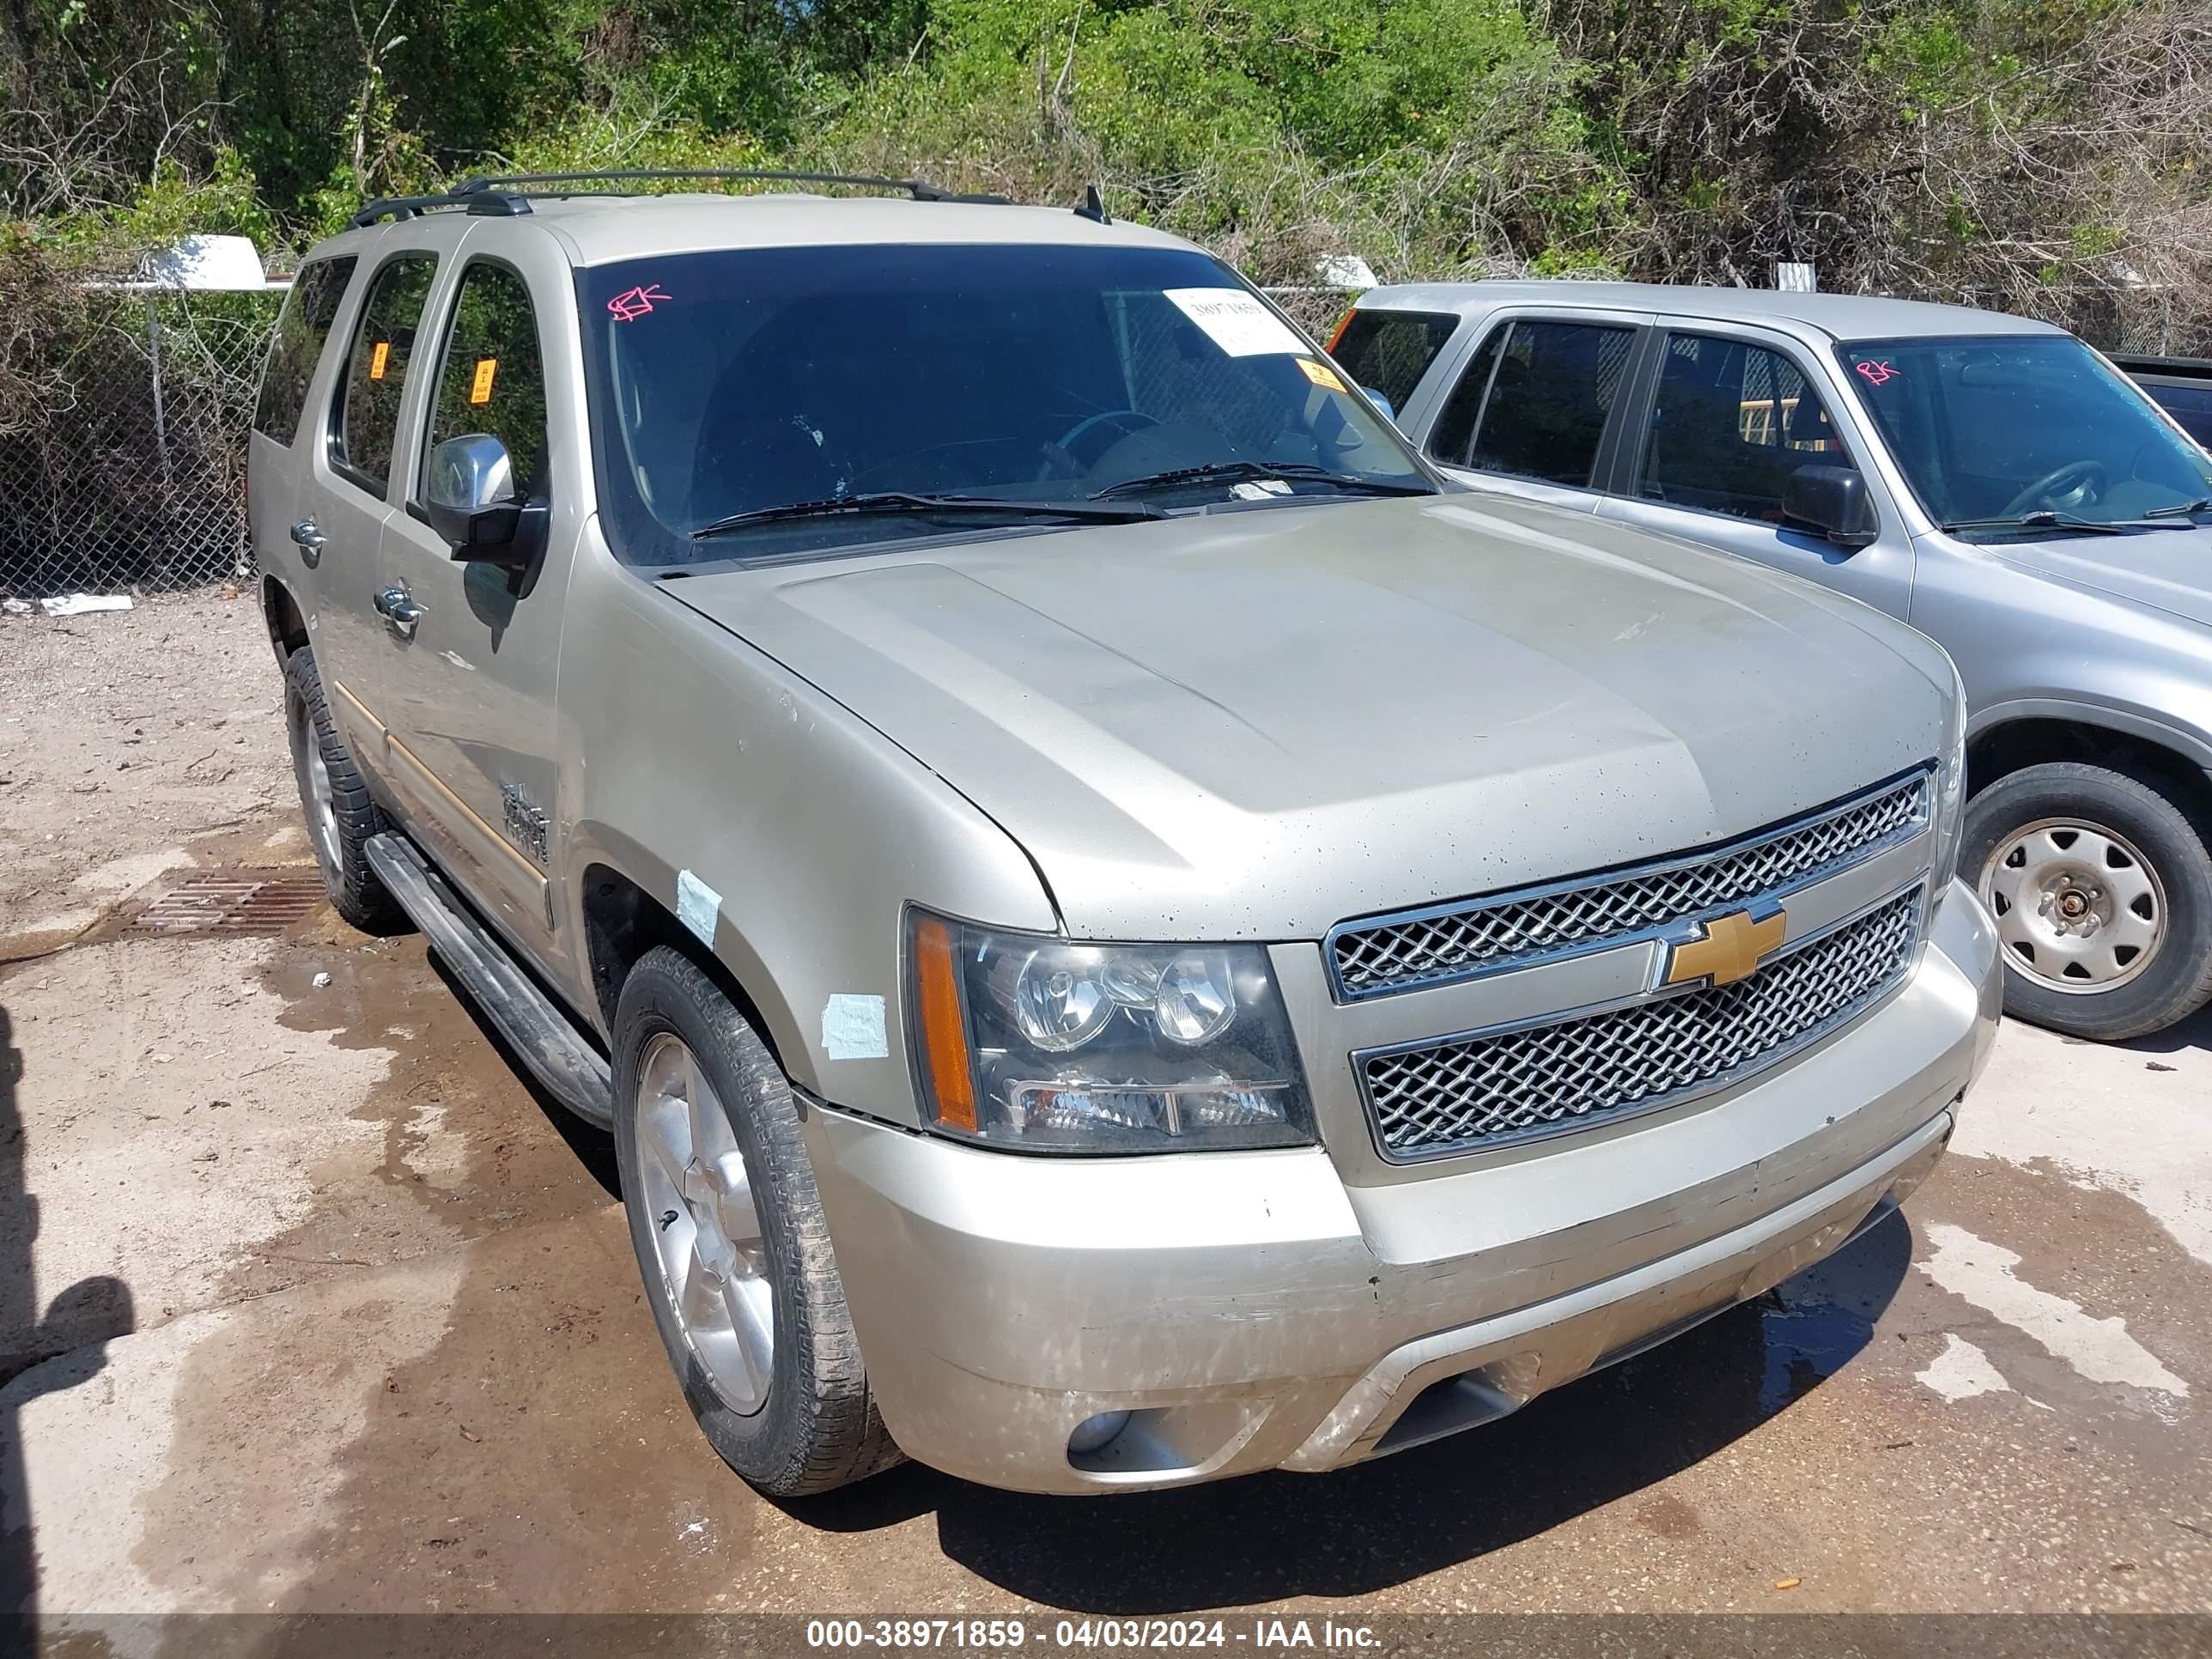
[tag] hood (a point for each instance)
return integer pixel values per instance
(1253, 724)
(2168, 570)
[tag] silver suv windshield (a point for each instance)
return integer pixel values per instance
(792, 400)
(1991, 431)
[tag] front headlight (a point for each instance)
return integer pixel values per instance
(1039, 1044)
(1951, 786)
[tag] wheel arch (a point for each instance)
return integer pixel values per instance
(2006, 740)
(625, 905)
(281, 615)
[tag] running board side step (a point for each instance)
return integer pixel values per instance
(534, 1025)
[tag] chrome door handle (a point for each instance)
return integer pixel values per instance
(310, 542)
(400, 612)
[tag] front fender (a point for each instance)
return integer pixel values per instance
(694, 752)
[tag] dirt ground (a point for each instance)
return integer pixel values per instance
(308, 1303)
(126, 736)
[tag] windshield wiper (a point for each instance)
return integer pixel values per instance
(1236, 471)
(2043, 519)
(920, 505)
(2183, 510)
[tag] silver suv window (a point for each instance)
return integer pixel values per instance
(1730, 423)
(1534, 402)
(301, 328)
(493, 378)
(743, 380)
(376, 375)
(1388, 351)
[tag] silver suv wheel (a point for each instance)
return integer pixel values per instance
(314, 775)
(2079, 908)
(707, 1230)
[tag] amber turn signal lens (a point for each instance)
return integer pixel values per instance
(944, 1042)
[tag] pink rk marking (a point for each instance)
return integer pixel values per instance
(633, 303)
(1876, 372)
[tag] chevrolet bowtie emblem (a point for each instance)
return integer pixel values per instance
(1731, 949)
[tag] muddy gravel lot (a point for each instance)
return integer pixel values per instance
(309, 1303)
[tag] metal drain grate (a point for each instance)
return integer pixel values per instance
(235, 902)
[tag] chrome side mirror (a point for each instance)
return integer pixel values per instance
(470, 498)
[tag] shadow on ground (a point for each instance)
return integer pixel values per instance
(1381, 1524)
(89, 1312)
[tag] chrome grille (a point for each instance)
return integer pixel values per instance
(1485, 935)
(1459, 1095)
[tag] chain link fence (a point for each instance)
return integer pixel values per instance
(123, 455)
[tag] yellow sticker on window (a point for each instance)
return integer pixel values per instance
(1321, 375)
(480, 387)
(379, 359)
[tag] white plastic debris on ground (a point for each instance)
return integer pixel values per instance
(77, 605)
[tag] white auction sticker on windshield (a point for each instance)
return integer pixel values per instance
(1235, 321)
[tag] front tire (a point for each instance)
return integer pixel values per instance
(2100, 881)
(731, 1238)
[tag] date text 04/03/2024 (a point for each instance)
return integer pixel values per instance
(1259, 1636)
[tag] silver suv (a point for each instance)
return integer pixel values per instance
(1125, 931)
(1992, 481)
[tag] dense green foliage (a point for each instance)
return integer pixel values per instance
(2042, 154)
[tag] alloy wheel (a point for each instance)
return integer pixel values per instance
(314, 780)
(706, 1228)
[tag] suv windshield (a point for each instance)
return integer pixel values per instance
(740, 381)
(1991, 428)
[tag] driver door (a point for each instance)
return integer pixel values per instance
(473, 735)
(1725, 416)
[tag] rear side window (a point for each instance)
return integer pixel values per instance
(1732, 421)
(1534, 402)
(1388, 351)
(376, 375)
(301, 328)
(492, 380)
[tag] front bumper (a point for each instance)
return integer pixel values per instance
(1254, 1310)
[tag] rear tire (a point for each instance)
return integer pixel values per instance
(2100, 880)
(685, 1063)
(340, 816)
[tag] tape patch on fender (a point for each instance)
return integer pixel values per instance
(852, 1027)
(698, 907)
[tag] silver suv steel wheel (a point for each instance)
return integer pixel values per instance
(706, 1229)
(2079, 908)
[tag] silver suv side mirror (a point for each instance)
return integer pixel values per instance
(471, 499)
(1834, 500)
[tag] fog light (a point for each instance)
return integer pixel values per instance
(1093, 1433)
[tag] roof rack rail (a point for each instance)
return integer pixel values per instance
(490, 203)
(919, 189)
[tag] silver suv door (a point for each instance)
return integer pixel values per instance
(1532, 411)
(347, 480)
(471, 682)
(1724, 414)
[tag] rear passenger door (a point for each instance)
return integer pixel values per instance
(1535, 411)
(357, 432)
(1725, 416)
